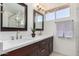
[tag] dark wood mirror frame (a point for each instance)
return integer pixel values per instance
(34, 24)
(11, 28)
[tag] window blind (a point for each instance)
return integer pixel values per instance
(65, 29)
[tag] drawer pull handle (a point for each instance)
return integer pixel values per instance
(43, 50)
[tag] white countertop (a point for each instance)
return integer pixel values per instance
(11, 45)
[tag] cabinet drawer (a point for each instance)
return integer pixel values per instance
(44, 52)
(44, 44)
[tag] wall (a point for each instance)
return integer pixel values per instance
(77, 29)
(7, 35)
(64, 45)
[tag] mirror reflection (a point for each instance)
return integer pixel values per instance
(39, 20)
(13, 15)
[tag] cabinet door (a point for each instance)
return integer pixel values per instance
(44, 47)
(31, 50)
(25, 51)
(44, 52)
(51, 45)
(35, 49)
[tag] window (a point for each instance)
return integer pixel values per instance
(58, 14)
(63, 13)
(68, 28)
(65, 29)
(50, 16)
(59, 27)
(39, 18)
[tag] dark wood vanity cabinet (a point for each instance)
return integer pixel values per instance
(41, 48)
(30, 50)
(44, 47)
(21, 52)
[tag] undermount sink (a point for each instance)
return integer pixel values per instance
(13, 43)
(17, 41)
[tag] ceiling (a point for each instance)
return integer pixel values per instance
(49, 6)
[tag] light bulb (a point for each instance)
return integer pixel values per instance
(36, 4)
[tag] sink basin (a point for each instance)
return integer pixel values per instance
(14, 43)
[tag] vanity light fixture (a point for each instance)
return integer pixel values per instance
(39, 7)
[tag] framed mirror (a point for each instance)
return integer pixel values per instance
(38, 23)
(13, 16)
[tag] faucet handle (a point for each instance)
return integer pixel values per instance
(20, 36)
(12, 37)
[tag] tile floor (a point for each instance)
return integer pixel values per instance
(56, 54)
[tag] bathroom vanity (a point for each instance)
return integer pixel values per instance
(42, 47)
(15, 19)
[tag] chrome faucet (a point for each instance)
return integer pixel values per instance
(40, 33)
(12, 37)
(17, 35)
(20, 36)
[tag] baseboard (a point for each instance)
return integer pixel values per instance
(59, 53)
